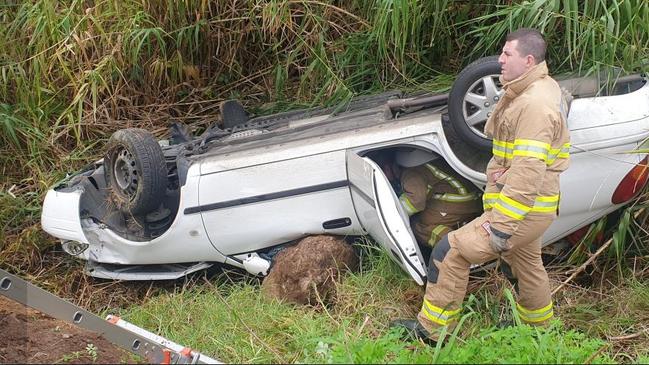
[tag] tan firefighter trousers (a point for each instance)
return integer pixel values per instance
(448, 273)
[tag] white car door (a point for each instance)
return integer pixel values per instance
(381, 215)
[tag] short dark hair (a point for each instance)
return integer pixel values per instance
(530, 42)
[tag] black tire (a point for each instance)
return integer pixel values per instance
(135, 171)
(470, 80)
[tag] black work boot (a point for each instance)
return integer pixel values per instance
(413, 330)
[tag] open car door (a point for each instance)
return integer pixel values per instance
(381, 215)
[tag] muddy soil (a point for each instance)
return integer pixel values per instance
(307, 272)
(29, 336)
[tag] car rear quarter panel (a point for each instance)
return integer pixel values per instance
(184, 241)
(588, 186)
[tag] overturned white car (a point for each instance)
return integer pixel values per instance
(160, 210)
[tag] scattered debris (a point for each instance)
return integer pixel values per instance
(307, 272)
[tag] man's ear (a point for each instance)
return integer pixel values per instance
(530, 61)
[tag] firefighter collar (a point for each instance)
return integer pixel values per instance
(518, 85)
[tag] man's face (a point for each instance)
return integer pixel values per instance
(512, 63)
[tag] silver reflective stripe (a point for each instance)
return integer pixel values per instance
(441, 318)
(511, 208)
(554, 154)
(455, 197)
(545, 204)
(443, 176)
(502, 149)
(532, 316)
(438, 315)
(531, 148)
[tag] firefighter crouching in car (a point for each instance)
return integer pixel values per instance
(521, 199)
(436, 198)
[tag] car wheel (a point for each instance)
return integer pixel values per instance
(473, 97)
(135, 171)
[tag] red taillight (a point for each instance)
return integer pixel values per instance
(632, 182)
(576, 236)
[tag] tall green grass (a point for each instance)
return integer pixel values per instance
(73, 71)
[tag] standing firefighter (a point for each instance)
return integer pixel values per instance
(521, 199)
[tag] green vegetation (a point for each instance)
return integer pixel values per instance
(74, 71)
(233, 322)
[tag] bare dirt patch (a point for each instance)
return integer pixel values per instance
(29, 336)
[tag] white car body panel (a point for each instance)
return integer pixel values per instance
(60, 215)
(185, 241)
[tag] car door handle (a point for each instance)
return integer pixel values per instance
(337, 223)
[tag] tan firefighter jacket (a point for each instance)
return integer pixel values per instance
(530, 149)
(433, 186)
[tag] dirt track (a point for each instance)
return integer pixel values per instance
(29, 336)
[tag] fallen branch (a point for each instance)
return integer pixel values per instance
(628, 337)
(595, 354)
(593, 257)
(584, 265)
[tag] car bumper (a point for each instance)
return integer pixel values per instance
(60, 215)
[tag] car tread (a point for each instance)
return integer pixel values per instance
(151, 166)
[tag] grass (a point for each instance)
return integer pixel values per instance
(520, 344)
(233, 322)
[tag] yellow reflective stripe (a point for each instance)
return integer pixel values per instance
(489, 199)
(454, 198)
(531, 148)
(511, 207)
(547, 198)
(546, 204)
(545, 209)
(514, 209)
(443, 176)
(502, 154)
(503, 144)
(536, 315)
(436, 234)
(523, 153)
(534, 311)
(531, 142)
(437, 314)
(537, 319)
(502, 149)
(557, 153)
(407, 205)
